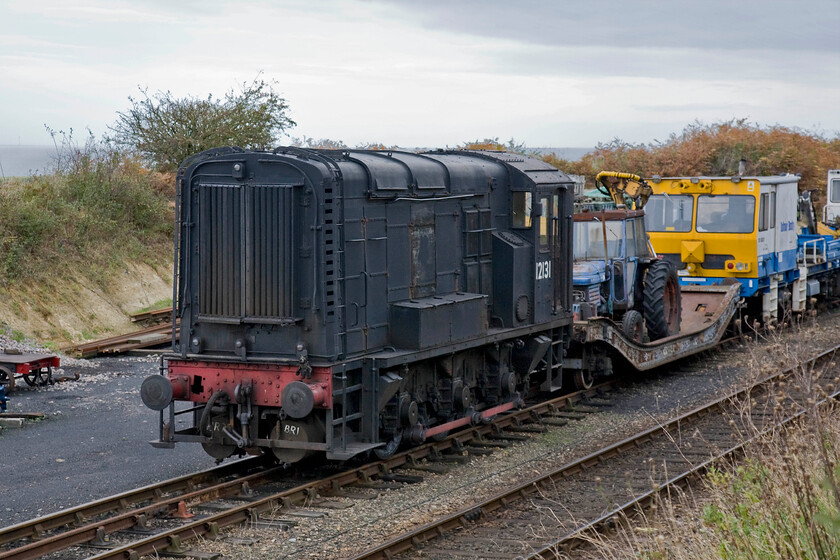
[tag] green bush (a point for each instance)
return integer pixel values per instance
(98, 207)
(166, 130)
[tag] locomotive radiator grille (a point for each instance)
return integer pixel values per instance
(268, 288)
(220, 251)
(245, 253)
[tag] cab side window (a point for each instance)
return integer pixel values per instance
(545, 237)
(630, 231)
(521, 209)
(767, 211)
(834, 191)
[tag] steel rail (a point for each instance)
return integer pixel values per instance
(132, 518)
(436, 529)
(297, 496)
(121, 342)
(38, 527)
(154, 314)
(580, 536)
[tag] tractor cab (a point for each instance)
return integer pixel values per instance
(608, 249)
(616, 273)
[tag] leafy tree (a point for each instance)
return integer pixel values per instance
(329, 144)
(166, 130)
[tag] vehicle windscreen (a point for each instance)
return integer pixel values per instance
(589, 239)
(664, 212)
(725, 213)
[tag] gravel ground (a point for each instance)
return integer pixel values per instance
(339, 533)
(93, 444)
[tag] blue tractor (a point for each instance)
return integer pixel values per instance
(616, 272)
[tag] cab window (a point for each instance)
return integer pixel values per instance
(834, 190)
(630, 230)
(665, 212)
(767, 211)
(543, 221)
(641, 239)
(725, 213)
(521, 209)
(589, 240)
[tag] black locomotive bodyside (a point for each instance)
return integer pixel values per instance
(343, 301)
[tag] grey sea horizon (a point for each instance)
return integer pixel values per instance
(26, 160)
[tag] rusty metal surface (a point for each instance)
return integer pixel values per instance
(152, 336)
(154, 315)
(24, 358)
(706, 313)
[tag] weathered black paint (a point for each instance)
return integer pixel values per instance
(399, 272)
(315, 247)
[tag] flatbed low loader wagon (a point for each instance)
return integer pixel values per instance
(707, 311)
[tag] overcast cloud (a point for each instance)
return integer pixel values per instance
(434, 72)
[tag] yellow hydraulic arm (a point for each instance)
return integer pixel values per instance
(624, 186)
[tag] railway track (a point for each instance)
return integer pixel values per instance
(549, 515)
(155, 518)
(146, 521)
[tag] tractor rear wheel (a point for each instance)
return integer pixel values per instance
(662, 306)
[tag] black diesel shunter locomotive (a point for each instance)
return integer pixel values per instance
(346, 301)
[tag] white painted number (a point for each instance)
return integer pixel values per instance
(294, 430)
(544, 270)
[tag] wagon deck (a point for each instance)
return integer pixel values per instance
(706, 313)
(34, 368)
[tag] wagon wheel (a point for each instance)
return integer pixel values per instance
(37, 377)
(32, 378)
(7, 378)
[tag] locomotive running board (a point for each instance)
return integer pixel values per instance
(706, 312)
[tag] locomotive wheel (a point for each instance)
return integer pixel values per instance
(389, 448)
(218, 451)
(662, 300)
(583, 379)
(290, 429)
(633, 325)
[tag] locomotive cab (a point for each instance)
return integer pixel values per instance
(720, 229)
(536, 216)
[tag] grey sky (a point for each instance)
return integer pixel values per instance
(432, 72)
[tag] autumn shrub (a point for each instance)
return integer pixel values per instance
(715, 150)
